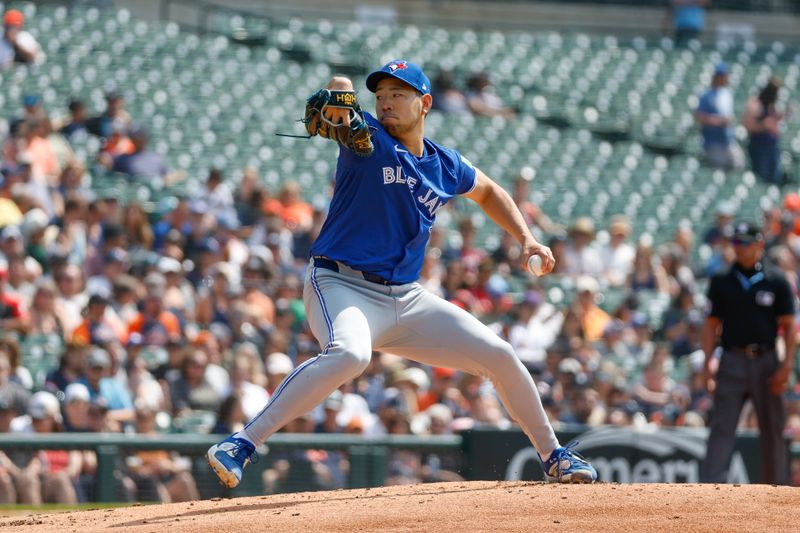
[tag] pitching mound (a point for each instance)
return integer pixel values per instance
(477, 506)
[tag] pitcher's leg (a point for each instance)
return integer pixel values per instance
(338, 319)
(439, 333)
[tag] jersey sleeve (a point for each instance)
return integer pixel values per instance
(715, 297)
(784, 299)
(466, 174)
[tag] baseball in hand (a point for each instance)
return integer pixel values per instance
(535, 265)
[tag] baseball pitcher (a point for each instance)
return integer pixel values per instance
(361, 291)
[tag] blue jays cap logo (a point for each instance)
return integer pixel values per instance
(403, 70)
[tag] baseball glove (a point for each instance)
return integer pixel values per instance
(355, 137)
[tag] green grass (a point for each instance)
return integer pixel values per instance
(16, 509)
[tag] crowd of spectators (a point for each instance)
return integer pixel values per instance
(189, 320)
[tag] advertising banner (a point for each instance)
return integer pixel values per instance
(621, 454)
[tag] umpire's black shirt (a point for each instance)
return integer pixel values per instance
(749, 303)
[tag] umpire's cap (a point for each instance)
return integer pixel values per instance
(403, 70)
(746, 232)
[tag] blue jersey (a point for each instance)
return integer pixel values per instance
(384, 205)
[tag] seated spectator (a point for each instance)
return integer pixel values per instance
(13, 312)
(647, 274)
(114, 118)
(588, 410)
(71, 299)
(75, 127)
(19, 276)
(159, 475)
(137, 226)
(156, 325)
(55, 471)
(217, 195)
(296, 213)
(249, 198)
(76, 408)
(114, 264)
(97, 326)
(191, 390)
(142, 162)
(277, 366)
(37, 150)
(115, 145)
(71, 368)
(612, 347)
(252, 397)
(179, 294)
(656, 389)
(446, 97)
(723, 224)
(580, 256)
(15, 395)
(482, 101)
(8, 489)
(19, 374)
(537, 325)
(592, 318)
(690, 340)
(32, 110)
(215, 301)
(618, 254)
(102, 385)
(230, 417)
(17, 45)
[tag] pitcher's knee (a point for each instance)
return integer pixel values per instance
(503, 357)
(353, 358)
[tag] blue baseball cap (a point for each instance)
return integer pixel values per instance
(721, 69)
(403, 70)
(30, 100)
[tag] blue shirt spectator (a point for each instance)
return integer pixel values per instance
(113, 394)
(715, 115)
(142, 162)
(688, 18)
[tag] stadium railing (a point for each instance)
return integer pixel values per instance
(367, 456)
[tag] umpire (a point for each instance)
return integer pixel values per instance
(750, 306)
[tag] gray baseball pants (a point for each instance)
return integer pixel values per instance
(740, 377)
(350, 317)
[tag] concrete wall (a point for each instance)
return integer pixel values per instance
(492, 14)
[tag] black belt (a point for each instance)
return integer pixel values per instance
(329, 264)
(752, 350)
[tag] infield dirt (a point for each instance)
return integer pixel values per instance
(455, 507)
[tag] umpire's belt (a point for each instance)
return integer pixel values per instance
(752, 350)
(336, 266)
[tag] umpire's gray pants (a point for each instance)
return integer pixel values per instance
(350, 317)
(741, 377)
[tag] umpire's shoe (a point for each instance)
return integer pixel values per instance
(567, 466)
(229, 457)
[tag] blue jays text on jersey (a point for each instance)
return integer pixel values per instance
(384, 205)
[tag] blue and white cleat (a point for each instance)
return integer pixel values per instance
(228, 459)
(567, 466)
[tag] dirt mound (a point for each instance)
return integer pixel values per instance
(476, 506)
